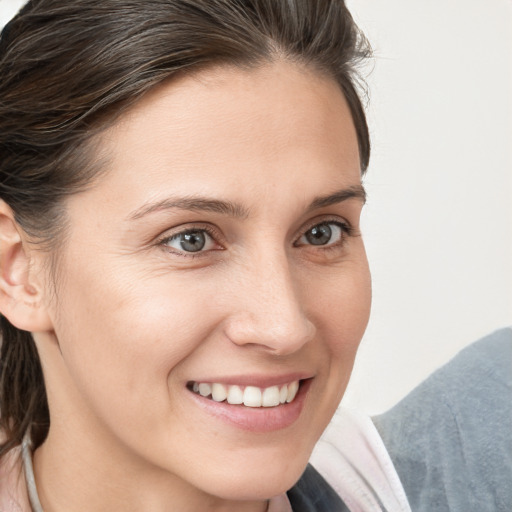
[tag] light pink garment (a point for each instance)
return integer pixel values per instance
(352, 457)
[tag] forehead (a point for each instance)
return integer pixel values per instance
(228, 127)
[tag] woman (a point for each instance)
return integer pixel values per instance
(181, 256)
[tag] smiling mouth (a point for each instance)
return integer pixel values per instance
(249, 396)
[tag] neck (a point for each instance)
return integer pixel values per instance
(67, 478)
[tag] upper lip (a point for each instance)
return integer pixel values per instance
(261, 381)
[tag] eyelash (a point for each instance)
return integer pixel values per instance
(346, 231)
(345, 227)
(212, 234)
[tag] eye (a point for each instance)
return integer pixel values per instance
(324, 234)
(192, 240)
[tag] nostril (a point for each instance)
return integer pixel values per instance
(279, 333)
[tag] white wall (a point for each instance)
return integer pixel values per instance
(8, 9)
(438, 223)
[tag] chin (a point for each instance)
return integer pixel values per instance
(259, 486)
(258, 481)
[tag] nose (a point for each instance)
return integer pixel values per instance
(268, 309)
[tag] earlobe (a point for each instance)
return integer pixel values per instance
(20, 294)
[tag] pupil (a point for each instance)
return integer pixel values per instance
(193, 241)
(319, 235)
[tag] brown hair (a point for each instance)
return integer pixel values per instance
(69, 67)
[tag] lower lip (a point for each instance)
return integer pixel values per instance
(256, 419)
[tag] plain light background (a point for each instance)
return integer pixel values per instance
(438, 223)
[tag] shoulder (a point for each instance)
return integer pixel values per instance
(450, 437)
(13, 491)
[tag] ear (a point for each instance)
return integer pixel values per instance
(21, 293)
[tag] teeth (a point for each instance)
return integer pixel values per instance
(205, 389)
(270, 397)
(293, 387)
(250, 396)
(219, 392)
(235, 395)
(283, 394)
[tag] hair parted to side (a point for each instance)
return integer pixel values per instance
(68, 68)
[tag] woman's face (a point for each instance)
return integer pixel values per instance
(222, 248)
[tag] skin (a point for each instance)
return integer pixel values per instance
(131, 318)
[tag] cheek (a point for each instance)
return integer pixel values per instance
(122, 338)
(340, 304)
(346, 322)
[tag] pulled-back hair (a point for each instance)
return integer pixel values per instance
(69, 68)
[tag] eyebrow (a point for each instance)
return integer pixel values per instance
(205, 204)
(353, 192)
(193, 203)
